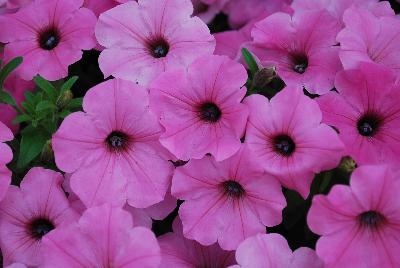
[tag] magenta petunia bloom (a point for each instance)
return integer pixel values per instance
(179, 252)
(337, 7)
(206, 10)
(200, 108)
(287, 136)
(6, 156)
(112, 148)
(368, 38)
(49, 35)
(29, 213)
(273, 251)
(144, 39)
(366, 113)
(12, 6)
(359, 225)
(302, 47)
(226, 201)
(103, 237)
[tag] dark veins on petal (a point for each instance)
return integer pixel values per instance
(233, 189)
(40, 227)
(49, 38)
(209, 112)
(284, 145)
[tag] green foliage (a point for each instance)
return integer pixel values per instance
(41, 113)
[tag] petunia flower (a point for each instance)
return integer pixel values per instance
(206, 10)
(29, 213)
(337, 7)
(179, 252)
(359, 224)
(112, 148)
(368, 38)
(287, 136)
(6, 156)
(144, 39)
(103, 237)
(366, 113)
(273, 251)
(303, 48)
(49, 35)
(226, 201)
(200, 108)
(11, 6)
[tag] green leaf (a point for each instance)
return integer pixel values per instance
(29, 96)
(6, 97)
(67, 85)
(250, 61)
(64, 113)
(21, 118)
(45, 85)
(28, 107)
(32, 142)
(8, 68)
(44, 105)
(75, 104)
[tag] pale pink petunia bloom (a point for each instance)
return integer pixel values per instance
(366, 113)
(359, 224)
(112, 148)
(49, 35)
(337, 7)
(103, 237)
(273, 251)
(200, 108)
(241, 12)
(287, 135)
(180, 252)
(16, 87)
(227, 201)
(29, 213)
(367, 38)
(101, 6)
(302, 47)
(6, 156)
(144, 39)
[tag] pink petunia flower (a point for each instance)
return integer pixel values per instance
(337, 7)
(11, 6)
(226, 201)
(6, 156)
(367, 38)
(302, 47)
(29, 213)
(104, 237)
(179, 252)
(366, 113)
(99, 7)
(359, 224)
(287, 136)
(200, 108)
(206, 10)
(112, 148)
(49, 35)
(144, 39)
(273, 251)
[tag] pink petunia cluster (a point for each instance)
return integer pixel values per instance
(202, 147)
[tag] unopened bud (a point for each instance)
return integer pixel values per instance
(65, 98)
(47, 154)
(263, 77)
(348, 164)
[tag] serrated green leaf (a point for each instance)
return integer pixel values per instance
(250, 61)
(68, 84)
(32, 142)
(8, 68)
(75, 104)
(45, 85)
(44, 105)
(21, 118)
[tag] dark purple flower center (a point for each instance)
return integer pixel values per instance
(209, 112)
(368, 125)
(232, 188)
(40, 227)
(158, 47)
(117, 141)
(300, 63)
(371, 219)
(284, 145)
(49, 38)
